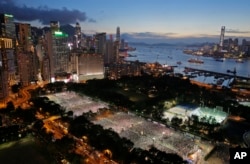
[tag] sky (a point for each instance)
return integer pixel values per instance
(141, 20)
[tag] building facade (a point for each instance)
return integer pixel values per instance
(7, 66)
(58, 51)
(90, 66)
(7, 26)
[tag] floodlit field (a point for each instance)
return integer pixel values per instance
(76, 103)
(185, 112)
(143, 133)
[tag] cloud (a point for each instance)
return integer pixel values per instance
(92, 20)
(151, 38)
(148, 35)
(236, 31)
(43, 14)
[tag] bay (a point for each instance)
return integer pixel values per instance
(170, 55)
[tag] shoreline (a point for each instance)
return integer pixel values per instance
(218, 56)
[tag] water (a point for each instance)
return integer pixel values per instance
(170, 55)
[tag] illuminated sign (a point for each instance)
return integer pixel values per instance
(8, 15)
(60, 34)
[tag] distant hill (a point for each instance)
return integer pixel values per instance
(68, 29)
(173, 44)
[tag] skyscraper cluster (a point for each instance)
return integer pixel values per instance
(29, 54)
(232, 46)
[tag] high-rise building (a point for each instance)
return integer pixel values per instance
(58, 51)
(23, 34)
(77, 36)
(101, 43)
(25, 69)
(236, 42)
(122, 44)
(246, 47)
(7, 66)
(27, 60)
(110, 52)
(54, 26)
(118, 37)
(90, 66)
(116, 50)
(222, 33)
(7, 26)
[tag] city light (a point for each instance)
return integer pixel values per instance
(8, 15)
(60, 34)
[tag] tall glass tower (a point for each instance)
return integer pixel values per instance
(222, 33)
(118, 37)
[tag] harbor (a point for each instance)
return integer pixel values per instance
(199, 72)
(174, 56)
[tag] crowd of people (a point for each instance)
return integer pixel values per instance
(71, 101)
(144, 133)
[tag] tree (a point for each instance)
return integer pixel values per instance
(15, 88)
(10, 106)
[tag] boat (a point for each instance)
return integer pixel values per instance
(131, 48)
(187, 51)
(195, 60)
(179, 62)
(129, 55)
(239, 61)
(219, 60)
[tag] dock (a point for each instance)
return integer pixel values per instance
(231, 74)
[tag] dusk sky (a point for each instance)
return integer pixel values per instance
(139, 19)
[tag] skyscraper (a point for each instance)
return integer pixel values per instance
(7, 54)
(118, 37)
(23, 33)
(77, 36)
(101, 43)
(7, 26)
(222, 33)
(110, 52)
(7, 66)
(58, 50)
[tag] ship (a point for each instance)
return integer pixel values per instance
(195, 60)
(131, 48)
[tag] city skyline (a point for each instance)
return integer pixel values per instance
(149, 21)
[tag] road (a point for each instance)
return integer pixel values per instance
(23, 98)
(58, 128)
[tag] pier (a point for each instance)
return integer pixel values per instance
(233, 74)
